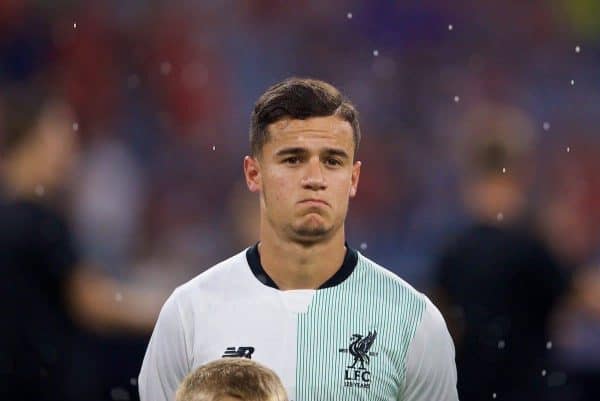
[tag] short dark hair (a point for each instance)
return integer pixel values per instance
(299, 98)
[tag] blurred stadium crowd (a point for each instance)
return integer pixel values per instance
(159, 95)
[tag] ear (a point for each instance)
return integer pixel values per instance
(252, 173)
(355, 177)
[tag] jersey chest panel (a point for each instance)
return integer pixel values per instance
(349, 352)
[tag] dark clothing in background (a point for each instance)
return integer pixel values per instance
(37, 256)
(43, 355)
(502, 282)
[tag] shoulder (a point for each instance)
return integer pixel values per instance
(431, 341)
(428, 340)
(391, 296)
(230, 276)
(433, 326)
(387, 282)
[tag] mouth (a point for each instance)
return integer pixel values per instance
(314, 202)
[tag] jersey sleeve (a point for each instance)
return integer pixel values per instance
(166, 362)
(430, 365)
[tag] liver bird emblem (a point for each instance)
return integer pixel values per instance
(359, 348)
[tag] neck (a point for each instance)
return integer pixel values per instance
(292, 265)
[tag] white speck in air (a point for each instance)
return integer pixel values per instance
(75, 126)
(500, 217)
(568, 149)
(450, 27)
(40, 190)
(456, 99)
(349, 15)
(74, 25)
(363, 246)
(544, 372)
(549, 345)
(503, 170)
(577, 49)
(572, 82)
(546, 125)
(501, 344)
(494, 396)
(376, 52)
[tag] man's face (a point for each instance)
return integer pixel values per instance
(306, 175)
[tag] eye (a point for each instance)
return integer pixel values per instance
(333, 162)
(292, 160)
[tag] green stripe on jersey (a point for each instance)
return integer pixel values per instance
(371, 301)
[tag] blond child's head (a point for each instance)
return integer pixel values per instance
(232, 379)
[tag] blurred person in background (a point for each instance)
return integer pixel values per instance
(497, 280)
(569, 221)
(232, 379)
(47, 290)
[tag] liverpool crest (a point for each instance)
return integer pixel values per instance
(357, 373)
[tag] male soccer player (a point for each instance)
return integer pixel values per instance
(330, 322)
(232, 379)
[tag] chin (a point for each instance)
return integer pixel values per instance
(312, 230)
(312, 225)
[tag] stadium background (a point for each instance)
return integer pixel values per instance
(163, 92)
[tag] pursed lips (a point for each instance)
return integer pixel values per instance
(318, 201)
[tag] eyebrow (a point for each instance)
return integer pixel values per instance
(298, 151)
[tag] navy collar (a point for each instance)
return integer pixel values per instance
(348, 265)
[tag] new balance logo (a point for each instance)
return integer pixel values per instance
(240, 352)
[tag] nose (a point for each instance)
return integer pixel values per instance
(313, 177)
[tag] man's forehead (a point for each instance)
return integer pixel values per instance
(332, 127)
(326, 123)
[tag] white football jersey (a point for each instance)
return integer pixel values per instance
(364, 335)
